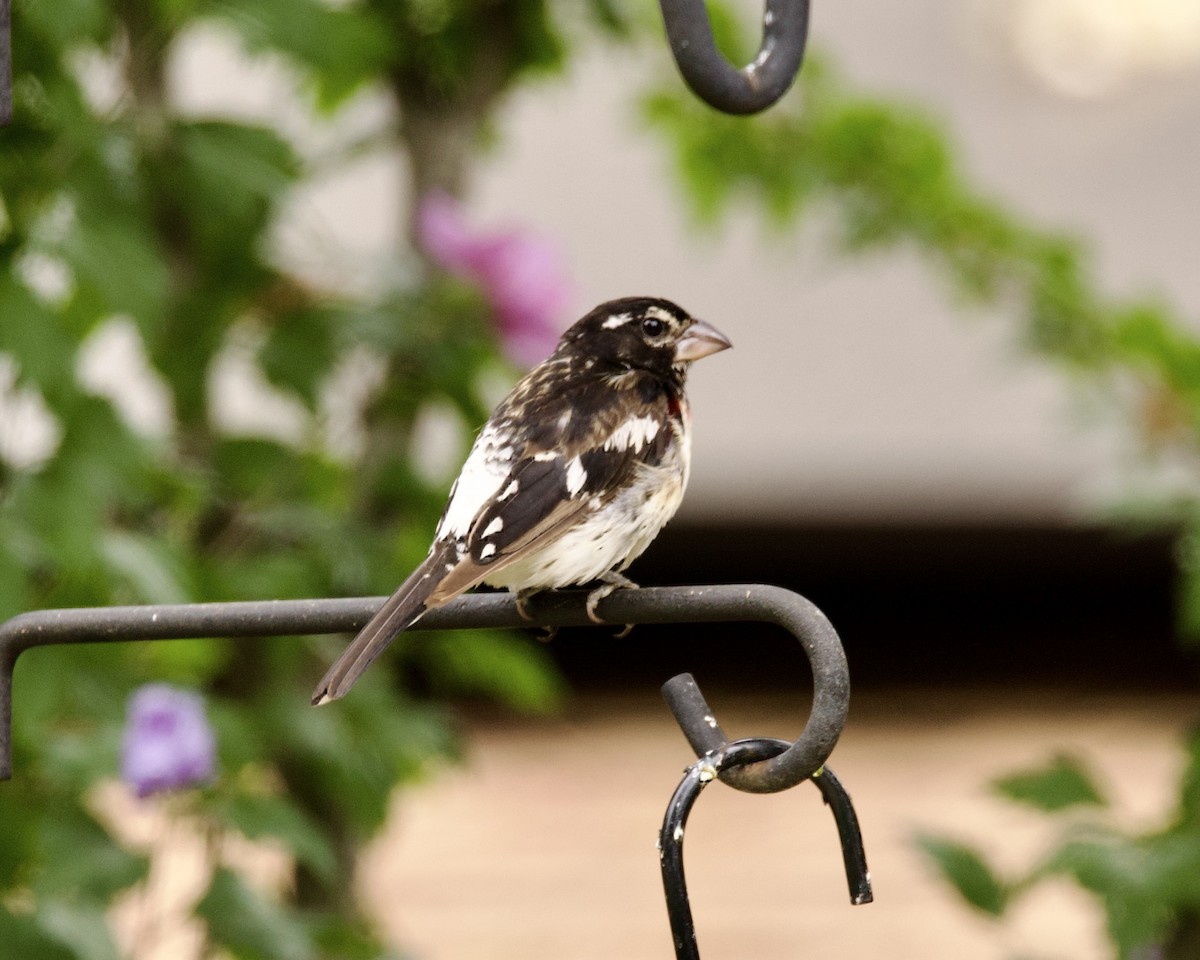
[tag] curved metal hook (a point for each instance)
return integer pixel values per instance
(831, 698)
(714, 79)
(695, 779)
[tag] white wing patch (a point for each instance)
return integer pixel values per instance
(486, 468)
(494, 527)
(576, 476)
(635, 432)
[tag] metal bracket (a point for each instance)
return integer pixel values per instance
(801, 759)
(714, 79)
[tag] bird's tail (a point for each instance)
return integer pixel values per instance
(402, 609)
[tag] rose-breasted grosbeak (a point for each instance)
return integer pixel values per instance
(577, 470)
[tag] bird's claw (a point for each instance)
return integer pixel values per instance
(612, 582)
(522, 604)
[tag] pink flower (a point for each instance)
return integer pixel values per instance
(520, 274)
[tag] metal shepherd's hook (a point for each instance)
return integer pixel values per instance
(714, 79)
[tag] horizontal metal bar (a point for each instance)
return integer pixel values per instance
(726, 602)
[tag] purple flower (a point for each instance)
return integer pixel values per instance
(168, 744)
(520, 274)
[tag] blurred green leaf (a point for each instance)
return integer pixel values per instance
(113, 255)
(82, 861)
(228, 177)
(1187, 587)
(335, 937)
(18, 842)
(1064, 782)
(300, 351)
(342, 47)
(83, 929)
(1116, 871)
(965, 869)
(155, 575)
(1172, 876)
(248, 925)
(65, 23)
(1189, 788)
(24, 936)
(31, 333)
(506, 666)
(260, 816)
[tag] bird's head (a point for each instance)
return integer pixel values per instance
(645, 333)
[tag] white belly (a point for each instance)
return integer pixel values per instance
(609, 539)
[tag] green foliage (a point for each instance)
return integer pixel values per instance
(249, 925)
(1147, 884)
(132, 210)
(965, 869)
(1063, 783)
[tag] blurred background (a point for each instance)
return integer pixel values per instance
(264, 268)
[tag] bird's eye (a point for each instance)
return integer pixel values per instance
(653, 327)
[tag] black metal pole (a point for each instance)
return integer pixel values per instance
(753, 602)
(5, 65)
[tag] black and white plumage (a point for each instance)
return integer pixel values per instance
(571, 478)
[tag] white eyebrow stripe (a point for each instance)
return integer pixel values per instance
(616, 320)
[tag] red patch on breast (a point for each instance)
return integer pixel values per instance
(676, 406)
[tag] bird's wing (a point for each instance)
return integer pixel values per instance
(571, 464)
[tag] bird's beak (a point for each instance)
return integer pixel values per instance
(701, 340)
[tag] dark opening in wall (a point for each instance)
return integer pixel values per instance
(963, 605)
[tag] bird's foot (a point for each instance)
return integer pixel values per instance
(610, 583)
(523, 597)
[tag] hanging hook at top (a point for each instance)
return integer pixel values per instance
(713, 78)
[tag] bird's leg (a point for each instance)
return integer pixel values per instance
(522, 599)
(609, 582)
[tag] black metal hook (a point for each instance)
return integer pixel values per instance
(714, 79)
(670, 840)
(748, 602)
(5, 65)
